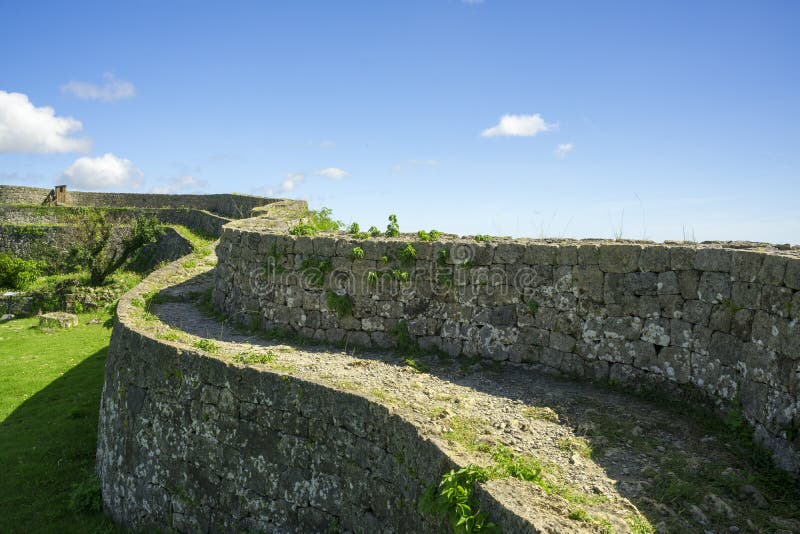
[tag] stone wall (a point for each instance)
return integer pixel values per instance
(713, 319)
(203, 221)
(233, 206)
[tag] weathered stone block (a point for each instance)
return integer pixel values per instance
(772, 270)
(656, 331)
(654, 259)
(667, 283)
(792, 276)
(540, 254)
(671, 306)
(776, 300)
(640, 283)
(680, 333)
(567, 255)
(713, 259)
(588, 254)
(508, 253)
(629, 328)
(682, 258)
(721, 316)
(746, 295)
(562, 342)
(714, 287)
(58, 320)
(745, 265)
(619, 258)
(688, 281)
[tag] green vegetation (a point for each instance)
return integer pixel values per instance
(357, 253)
(374, 231)
(354, 228)
(317, 221)
(533, 307)
(419, 367)
(404, 341)
(483, 237)
(17, 273)
(341, 305)
(372, 278)
(315, 270)
(255, 357)
(200, 242)
(454, 498)
(401, 275)
(94, 248)
(50, 385)
(207, 345)
(408, 255)
(392, 229)
(433, 235)
(600, 525)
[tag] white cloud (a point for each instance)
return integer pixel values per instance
(327, 144)
(112, 89)
(334, 173)
(103, 172)
(182, 184)
(26, 128)
(518, 126)
(563, 149)
(291, 179)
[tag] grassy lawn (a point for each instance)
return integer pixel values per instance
(50, 386)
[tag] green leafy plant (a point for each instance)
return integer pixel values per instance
(442, 257)
(357, 253)
(454, 498)
(341, 305)
(483, 237)
(533, 307)
(255, 357)
(401, 275)
(315, 270)
(373, 231)
(392, 229)
(18, 273)
(354, 228)
(433, 235)
(408, 256)
(385, 259)
(372, 278)
(317, 221)
(419, 367)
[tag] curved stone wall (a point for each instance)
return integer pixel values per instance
(234, 206)
(708, 318)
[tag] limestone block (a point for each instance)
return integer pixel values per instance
(58, 320)
(772, 270)
(619, 258)
(654, 259)
(713, 259)
(714, 287)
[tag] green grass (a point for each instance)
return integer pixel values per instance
(50, 386)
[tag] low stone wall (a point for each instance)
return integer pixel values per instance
(712, 319)
(17, 194)
(198, 220)
(39, 242)
(234, 206)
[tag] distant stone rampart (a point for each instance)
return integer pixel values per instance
(233, 206)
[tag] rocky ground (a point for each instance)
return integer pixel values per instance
(608, 461)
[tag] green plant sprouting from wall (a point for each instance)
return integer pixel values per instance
(357, 253)
(316, 221)
(432, 235)
(408, 255)
(392, 229)
(341, 305)
(454, 498)
(315, 270)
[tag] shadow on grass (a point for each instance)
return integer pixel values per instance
(46, 446)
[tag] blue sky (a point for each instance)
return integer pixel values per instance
(667, 119)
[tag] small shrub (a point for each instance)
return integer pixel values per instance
(305, 229)
(372, 278)
(255, 357)
(419, 367)
(401, 275)
(357, 253)
(341, 305)
(483, 237)
(77, 307)
(353, 228)
(385, 259)
(392, 229)
(533, 307)
(373, 231)
(17, 273)
(433, 235)
(454, 499)
(408, 255)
